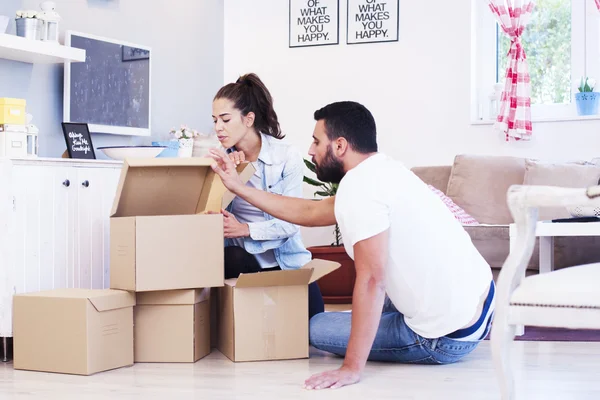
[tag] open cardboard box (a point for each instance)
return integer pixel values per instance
(172, 326)
(73, 331)
(264, 316)
(160, 235)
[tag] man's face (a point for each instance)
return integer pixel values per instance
(329, 167)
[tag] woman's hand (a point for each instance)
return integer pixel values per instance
(237, 157)
(232, 228)
(225, 168)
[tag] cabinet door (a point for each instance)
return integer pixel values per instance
(43, 225)
(96, 189)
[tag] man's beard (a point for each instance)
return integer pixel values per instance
(330, 169)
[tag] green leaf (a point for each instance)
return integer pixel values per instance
(332, 188)
(312, 181)
(323, 194)
(310, 166)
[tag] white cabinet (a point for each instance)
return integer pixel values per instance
(54, 229)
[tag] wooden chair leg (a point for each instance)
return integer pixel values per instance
(501, 340)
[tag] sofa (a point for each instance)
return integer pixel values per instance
(478, 184)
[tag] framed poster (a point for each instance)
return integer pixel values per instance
(372, 21)
(79, 141)
(314, 22)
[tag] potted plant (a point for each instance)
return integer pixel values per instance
(185, 136)
(336, 287)
(29, 24)
(587, 100)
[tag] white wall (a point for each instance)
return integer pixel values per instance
(417, 88)
(186, 37)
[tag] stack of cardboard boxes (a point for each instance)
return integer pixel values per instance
(166, 255)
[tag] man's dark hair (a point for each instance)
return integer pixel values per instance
(351, 121)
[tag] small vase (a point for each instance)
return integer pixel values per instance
(587, 103)
(186, 147)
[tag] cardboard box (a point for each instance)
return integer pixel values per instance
(73, 331)
(172, 326)
(160, 236)
(13, 140)
(214, 317)
(264, 316)
(12, 111)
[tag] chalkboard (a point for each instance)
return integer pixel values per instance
(79, 141)
(112, 86)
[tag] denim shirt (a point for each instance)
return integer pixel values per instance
(282, 172)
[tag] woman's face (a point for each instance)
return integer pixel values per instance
(230, 125)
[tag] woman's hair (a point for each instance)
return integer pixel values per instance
(249, 94)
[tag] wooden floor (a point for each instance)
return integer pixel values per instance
(544, 370)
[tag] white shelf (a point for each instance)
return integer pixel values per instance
(16, 48)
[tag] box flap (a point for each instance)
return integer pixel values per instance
(171, 186)
(274, 278)
(172, 297)
(109, 299)
(320, 268)
(230, 282)
(101, 299)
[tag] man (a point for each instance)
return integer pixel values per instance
(404, 242)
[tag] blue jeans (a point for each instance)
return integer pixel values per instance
(394, 341)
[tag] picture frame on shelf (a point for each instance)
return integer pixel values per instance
(78, 140)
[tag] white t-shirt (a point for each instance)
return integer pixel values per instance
(247, 213)
(434, 274)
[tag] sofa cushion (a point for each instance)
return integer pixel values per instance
(436, 176)
(493, 243)
(571, 174)
(479, 184)
(458, 212)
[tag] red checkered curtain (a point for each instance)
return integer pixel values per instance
(514, 118)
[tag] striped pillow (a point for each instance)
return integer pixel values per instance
(460, 214)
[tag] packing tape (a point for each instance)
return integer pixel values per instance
(270, 297)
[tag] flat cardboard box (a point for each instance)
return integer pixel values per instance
(73, 331)
(160, 235)
(172, 326)
(264, 316)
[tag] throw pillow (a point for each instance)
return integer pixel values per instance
(460, 214)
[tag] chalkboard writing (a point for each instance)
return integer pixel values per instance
(313, 22)
(79, 141)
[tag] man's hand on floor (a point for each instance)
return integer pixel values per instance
(333, 379)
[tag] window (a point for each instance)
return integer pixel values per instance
(561, 43)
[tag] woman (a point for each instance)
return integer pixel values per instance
(246, 125)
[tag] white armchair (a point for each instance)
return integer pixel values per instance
(567, 298)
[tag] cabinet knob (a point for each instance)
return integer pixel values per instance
(85, 183)
(67, 183)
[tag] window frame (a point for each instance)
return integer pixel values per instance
(585, 60)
